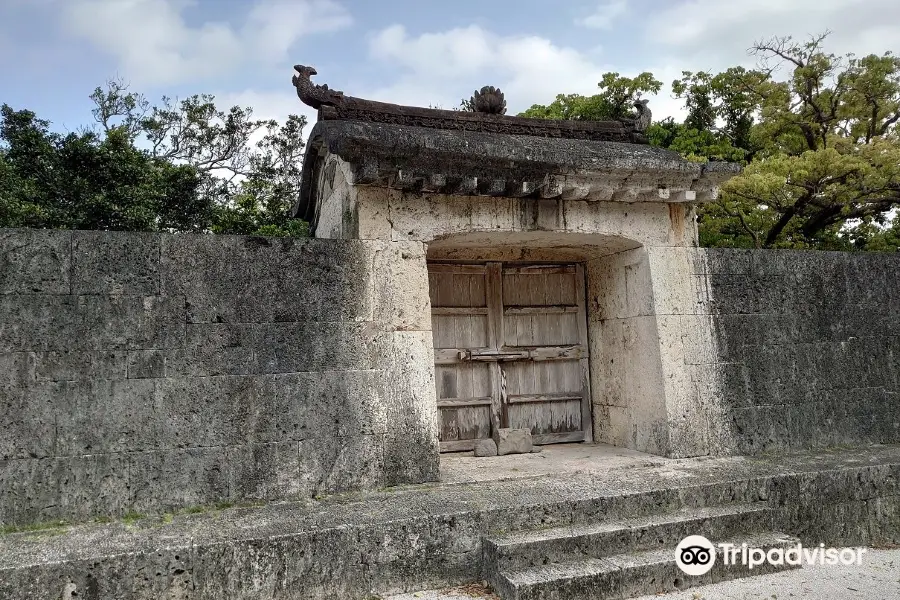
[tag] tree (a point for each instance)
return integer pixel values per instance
(84, 181)
(617, 93)
(252, 186)
(827, 157)
(818, 134)
(180, 166)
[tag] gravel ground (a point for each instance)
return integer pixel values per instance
(878, 578)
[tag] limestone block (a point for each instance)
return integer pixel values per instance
(106, 262)
(323, 346)
(401, 287)
(341, 403)
(103, 416)
(29, 490)
(79, 365)
(673, 281)
(235, 279)
(35, 261)
(102, 484)
(620, 286)
(16, 369)
(411, 445)
(264, 471)
(146, 364)
(513, 441)
(212, 349)
(332, 464)
(214, 411)
(28, 419)
(178, 478)
(35, 322)
(373, 208)
(486, 448)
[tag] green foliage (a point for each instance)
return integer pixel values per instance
(817, 132)
(183, 166)
(614, 101)
(825, 171)
(84, 181)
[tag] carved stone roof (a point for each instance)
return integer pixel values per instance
(478, 163)
(334, 105)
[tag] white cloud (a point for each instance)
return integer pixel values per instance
(711, 35)
(720, 32)
(604, 15)
(155, 45)
(442, 68)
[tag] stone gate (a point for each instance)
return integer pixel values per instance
(503, 206)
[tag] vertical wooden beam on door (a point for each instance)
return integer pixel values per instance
(494, 299)
(587, 423)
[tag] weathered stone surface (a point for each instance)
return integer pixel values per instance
(431, 536)
(512, 441)
(147, 372)
(402, 156)
(486, 447)
(35, 261)
(805, 349)
(106, 262)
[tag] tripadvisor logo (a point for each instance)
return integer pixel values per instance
(696, 555)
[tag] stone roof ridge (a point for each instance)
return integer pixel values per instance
(488, 115)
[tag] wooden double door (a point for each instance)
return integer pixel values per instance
(511, 350)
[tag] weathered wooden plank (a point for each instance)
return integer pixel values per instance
(458, 445)
(550, 353)
(552, 397)
(541, 439)
(461, 402)
(548, 309)
(453, 311)
(538, 269)
(496, 328)
(584, 363)
(457, 268)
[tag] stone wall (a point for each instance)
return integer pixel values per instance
(145, 372)
(807, 349)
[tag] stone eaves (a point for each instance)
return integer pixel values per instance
(457, 162)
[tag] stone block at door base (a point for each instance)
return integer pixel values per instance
(513, 441)
(486, 448)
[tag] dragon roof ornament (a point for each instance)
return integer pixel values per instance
(487, 115)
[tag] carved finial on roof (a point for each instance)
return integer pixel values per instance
(311, 94)
(643, 116)
(489, 100)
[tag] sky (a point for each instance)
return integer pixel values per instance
(53, 53)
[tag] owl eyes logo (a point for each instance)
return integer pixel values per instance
(695, 555)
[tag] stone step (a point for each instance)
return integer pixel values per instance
(627, 575)
(543, 546)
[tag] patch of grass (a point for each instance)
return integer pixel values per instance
(47, 526)
(130, 518)
(885, 546)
